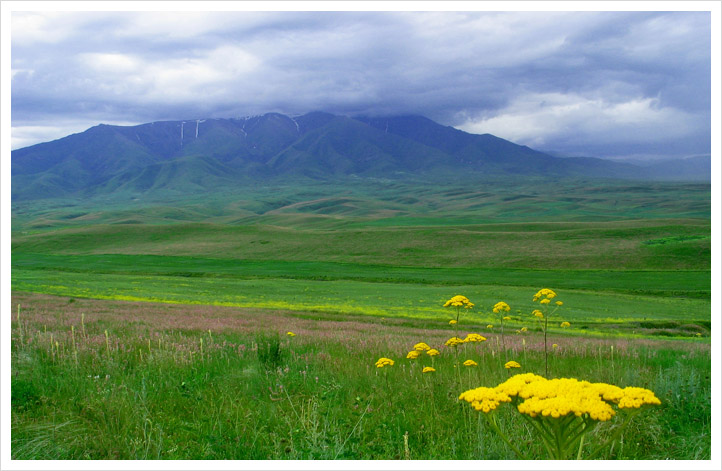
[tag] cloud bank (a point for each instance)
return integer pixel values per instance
(605, 84)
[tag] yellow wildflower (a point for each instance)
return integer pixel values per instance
(452, 321)
(501, 306)
(453, 342)
(524, 329)
(474, 338)
(428, 369)
(637, 397)
(384, 362)
(544, 301)
(507, 318)
(290, 334)
(421, 347)
(538, 313)
(489, 326)
(484, 399)
(565, 324)
(413, 354)
(559, 303)
(554, 345)
(459, 301)
(470, 363)
(546, 292)
(511, 364)
(432, 352)
(560, 397)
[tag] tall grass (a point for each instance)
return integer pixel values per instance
(162, 387)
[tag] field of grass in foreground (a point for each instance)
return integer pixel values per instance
(99, 379)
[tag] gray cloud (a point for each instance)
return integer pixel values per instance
(586, 83)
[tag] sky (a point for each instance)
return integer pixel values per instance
(612, 84)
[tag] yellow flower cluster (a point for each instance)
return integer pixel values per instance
(637, 397)
(413, 354)
(565, 324)
(452, 321)
(383, 362)
(428, 369)
(290, 334)
(524, 329)
(501, 306)
(421, 347)
(490, 326)
(538, 313)
(470, 363)
(453, 342)
(484, 399)
(432, 352)
(544, 293)
(559, 397)
(474, 338)
(511, 364)
(507, 318)
(459, 301)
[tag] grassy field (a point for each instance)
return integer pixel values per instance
(652, 279)
(635, 244)
(144, 330)
(371, 202)
(590, 311)
(122, 380)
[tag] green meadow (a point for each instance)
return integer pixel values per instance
(613, 313)
(104, 379)
(135, 309)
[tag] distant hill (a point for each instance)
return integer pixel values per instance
(214, 154)
(697, 167)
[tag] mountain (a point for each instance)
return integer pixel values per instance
(213, 154)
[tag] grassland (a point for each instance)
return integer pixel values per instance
(372, 202)
(122, 380)
(591, 311)
(358, 271)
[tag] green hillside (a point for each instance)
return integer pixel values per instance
(634, 258)
(370, 202)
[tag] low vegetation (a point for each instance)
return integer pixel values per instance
(120, 380)
(282, 322)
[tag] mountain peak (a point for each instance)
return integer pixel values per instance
(166, 155)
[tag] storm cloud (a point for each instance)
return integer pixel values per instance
(607, 84)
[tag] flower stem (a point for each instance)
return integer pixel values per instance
(581, 443)
(503, 343)
(496, 428)
(543, 433)
(616, 434)
(546, 355)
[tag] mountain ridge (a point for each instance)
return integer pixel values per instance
(218, 153)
